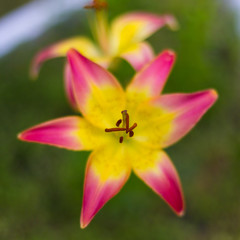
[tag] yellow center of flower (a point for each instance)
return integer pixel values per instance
(125, 126)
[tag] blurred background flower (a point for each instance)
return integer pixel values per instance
(41, 187)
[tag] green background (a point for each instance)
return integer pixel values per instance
(41, 186)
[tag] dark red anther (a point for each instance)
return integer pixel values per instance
(121, 139)
(131, 133)
(119, 122)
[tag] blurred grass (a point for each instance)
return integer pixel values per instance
(41, 186)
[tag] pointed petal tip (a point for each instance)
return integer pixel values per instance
(181, 213)
(167, 56)
(179, 210)
(22, 136)
(19, 136)
(172, 22)
(170, 54)
(83, 224)
(153, 76)
(83, 227)
(214, 93)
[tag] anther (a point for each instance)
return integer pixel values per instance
(119, 122)
(121, 139)
(131, 133)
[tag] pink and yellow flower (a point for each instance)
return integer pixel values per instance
(127, 130)
(123, 38)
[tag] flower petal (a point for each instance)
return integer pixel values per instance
(106, 173)
(171, 116)
(98, 94)
(187, 109)
(150, 81)
(73, 133)
(60, 49)
(69, 87)
(157, 171)
(138, 55)
(134, 27)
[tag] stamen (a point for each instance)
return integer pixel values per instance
(131, 133)
(131, 128)
(121, 139)
(119, 122)
(125, 124)
(114, 129)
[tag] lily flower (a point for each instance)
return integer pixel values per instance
(123, 38)
(126, 130)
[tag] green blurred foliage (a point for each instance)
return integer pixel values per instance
(41, 186)
(7, 6)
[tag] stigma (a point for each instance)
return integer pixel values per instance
(125, 126)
